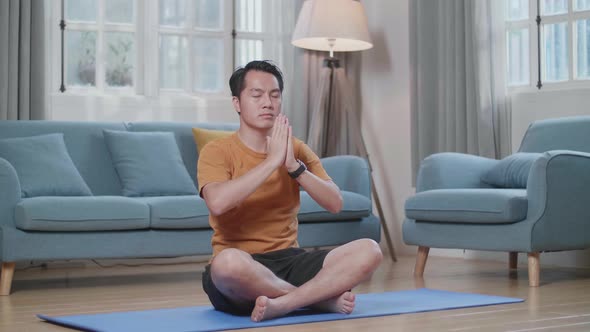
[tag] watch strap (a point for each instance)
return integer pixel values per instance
(302, 168)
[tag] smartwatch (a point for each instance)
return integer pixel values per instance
(302, 168)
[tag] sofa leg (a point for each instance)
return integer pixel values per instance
(421, 258)
(513, 260)
(6, 278)
(534, 269)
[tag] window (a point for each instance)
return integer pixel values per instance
(103, 31)
(556, 51)
(164, 46)
(194, 37)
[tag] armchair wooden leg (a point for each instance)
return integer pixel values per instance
(6, 278)
(534, 269)
(421, 258)
(513, 260)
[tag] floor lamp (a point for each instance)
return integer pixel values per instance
(341, 26)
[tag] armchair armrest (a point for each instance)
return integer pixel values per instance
(10, 192)
(451, 170)
(558, 191)
(350, 173)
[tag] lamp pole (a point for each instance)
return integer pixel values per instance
(333, 63)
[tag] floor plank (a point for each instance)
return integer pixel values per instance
(562, 303)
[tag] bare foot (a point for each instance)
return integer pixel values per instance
(266, 308)
(340, 304)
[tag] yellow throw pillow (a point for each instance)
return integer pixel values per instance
(204, 136)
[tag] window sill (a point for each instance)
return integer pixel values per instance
(167, 107)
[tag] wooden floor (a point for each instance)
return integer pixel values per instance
(562, 303)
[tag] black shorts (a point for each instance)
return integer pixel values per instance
(294, 265)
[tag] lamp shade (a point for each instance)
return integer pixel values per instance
(337, 25)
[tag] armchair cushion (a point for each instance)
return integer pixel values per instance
(512, 171)
(476, 206)
(354, 206)
(44, 166)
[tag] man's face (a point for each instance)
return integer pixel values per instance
(260, 101)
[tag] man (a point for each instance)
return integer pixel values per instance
(250, 182)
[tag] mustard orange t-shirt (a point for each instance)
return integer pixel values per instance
(267, 219)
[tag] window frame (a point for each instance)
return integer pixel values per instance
(100, 27)
(225, 33)
(146, 83)
(570, 18)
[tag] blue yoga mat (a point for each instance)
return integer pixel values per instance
(205, 318)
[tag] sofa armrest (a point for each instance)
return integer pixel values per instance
(558, 191)
(10, 192)
(350, 173)
(451, 170)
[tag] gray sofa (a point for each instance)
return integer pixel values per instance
(107, 224)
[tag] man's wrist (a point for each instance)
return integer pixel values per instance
(293, 167)
(297, 172)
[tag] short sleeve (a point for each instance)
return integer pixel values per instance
(311, 160)
(212, 166)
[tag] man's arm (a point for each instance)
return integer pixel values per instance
(221, 197)
(224, 196)
(325, 193)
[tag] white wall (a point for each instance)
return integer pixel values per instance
(385, 86)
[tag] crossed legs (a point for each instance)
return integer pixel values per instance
(243, 280)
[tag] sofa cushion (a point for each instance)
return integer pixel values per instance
(43, 166)
(185, 139)
(149, 163)
(98, 213)
(468, 205)
(512, 171)
(354, 206)
(177, 212)
(204, 136)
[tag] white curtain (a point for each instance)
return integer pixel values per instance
(459, 96)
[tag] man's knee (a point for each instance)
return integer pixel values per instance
(229, 265)
(372, 255)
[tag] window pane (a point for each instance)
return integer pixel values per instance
(80, 58)
(555, 52)
(208, 53)
(517, 10)
(249, 15)
(582, 5)
(517, 45)
(81, 10)
(119, 11)
(583, 49)
(120, 58)
(248, 50)
(173, 12)
(208, 14)
(173, 62)
(553, 7)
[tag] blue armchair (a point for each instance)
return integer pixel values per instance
(455, 208)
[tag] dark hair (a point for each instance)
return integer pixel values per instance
(237, 81)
